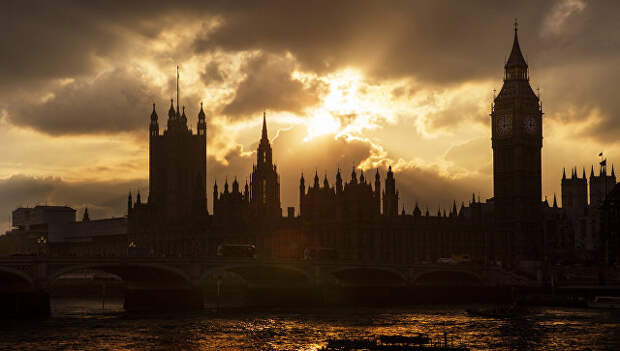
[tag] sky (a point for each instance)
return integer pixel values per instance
(344, 84)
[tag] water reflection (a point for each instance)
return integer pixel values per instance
(82, 324)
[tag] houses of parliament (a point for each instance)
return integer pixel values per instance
(357, 214)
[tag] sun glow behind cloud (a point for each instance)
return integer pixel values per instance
(349, 107)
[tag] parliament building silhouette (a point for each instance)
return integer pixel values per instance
(358, 215)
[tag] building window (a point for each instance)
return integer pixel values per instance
(264, 191)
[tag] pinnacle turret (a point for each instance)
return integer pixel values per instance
(201, 114)
(171, 112)
(154, 114)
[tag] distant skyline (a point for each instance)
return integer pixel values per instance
(355, 83)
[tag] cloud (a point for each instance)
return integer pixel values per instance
(94, 68)
(430, 189)
(560, 13)
(474, 155)
(268, 84)
(429, 40)
(116, 101)
(212, 73)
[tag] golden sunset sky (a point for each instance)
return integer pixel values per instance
(362, 84)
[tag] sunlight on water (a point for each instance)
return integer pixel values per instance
(83, 324)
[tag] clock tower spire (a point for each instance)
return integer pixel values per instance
(516, 121)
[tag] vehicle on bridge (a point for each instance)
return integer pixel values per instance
(320, 253)
(446, 260)
(236, 250)
(462, 258)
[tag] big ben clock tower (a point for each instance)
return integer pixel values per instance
(516, 120)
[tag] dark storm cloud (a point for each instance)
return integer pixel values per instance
(48, 40)
(441, 41)
(103, 199)
(438, 43)
(113, 102)
(268, 85)
(212, 74)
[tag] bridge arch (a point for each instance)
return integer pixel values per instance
(260, 272)
(360, 275)
(15, 277)
(140, 272)
(448, 277)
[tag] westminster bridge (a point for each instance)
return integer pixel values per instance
(178, 283)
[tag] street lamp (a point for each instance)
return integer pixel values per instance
(41, 241)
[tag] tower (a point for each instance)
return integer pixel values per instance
(516, 120)
(177, 166)
(378, 191)
(302, 193)
(264, 181)
(574, 194)
(390, 195)
(601, 185)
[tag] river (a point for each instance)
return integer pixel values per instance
(82, 324)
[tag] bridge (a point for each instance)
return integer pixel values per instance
(177, 283)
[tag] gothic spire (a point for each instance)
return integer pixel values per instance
(264, 134)
(564, 173)
(516, 57)
(555, 201)
(177, 88)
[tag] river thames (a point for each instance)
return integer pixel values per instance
(82, 324)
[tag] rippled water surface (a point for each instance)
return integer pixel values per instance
(83, 325)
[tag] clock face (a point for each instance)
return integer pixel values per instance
(530, 125)
(503, 125)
